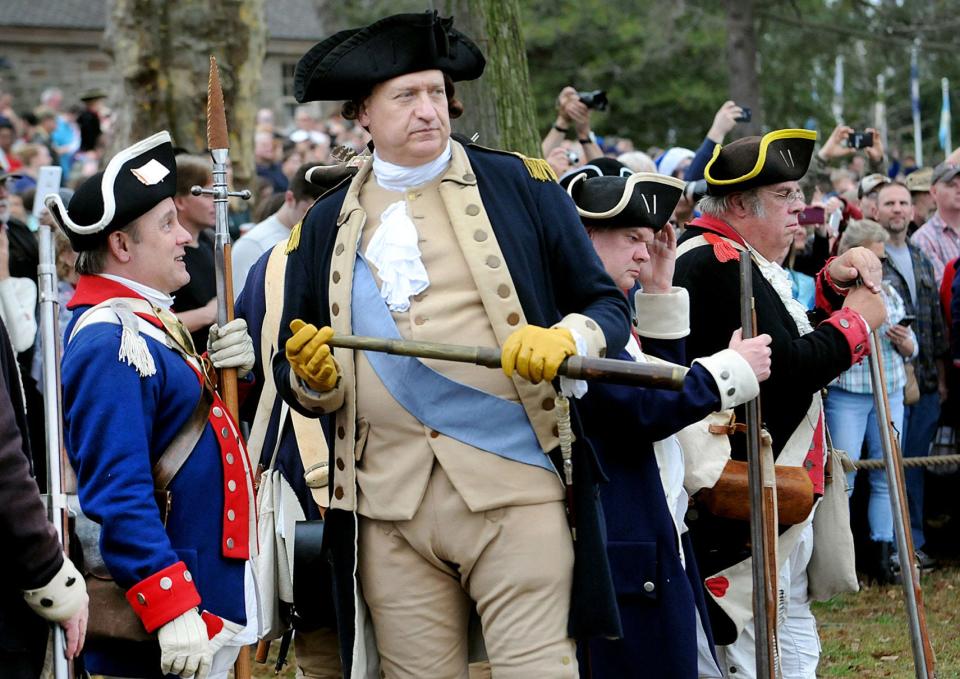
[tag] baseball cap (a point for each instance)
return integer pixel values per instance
(944, 172)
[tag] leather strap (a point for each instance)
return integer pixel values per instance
(182, 445)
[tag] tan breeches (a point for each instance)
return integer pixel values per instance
(422, 577)
(318, 654)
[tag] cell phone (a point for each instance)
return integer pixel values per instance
(812, 214)
(746, 116)
(906, 321)
(860, 139)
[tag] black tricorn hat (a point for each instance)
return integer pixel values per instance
(779, 156)
(134, 181)
(598, 167)
(349, 63)
(642, 199)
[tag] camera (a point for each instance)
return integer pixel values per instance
(859, 139)
(597, 99)
(746, 116)
(695, 190)
(573, 158)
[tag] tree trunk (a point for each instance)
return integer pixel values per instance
(161, 52)
(742, 64)
(498, 106)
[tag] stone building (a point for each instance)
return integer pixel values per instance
(60, 43)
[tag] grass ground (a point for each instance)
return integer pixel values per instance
(864, 635)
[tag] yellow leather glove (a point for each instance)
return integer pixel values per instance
(536, 353)
(309, 355)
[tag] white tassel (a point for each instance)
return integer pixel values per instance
(133, 348)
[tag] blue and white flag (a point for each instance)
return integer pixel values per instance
(946, 143)
(836, 106)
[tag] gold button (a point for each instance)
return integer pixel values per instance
(590, 324)
(548, 404)
(336, 276)
(473, 210)
(493, 262)
(468, 177)
(338, 493)
(335, 309)
(513, 318)
(341, 433)
(503, 291)
(565, 660)
(339, 249)
(434, 434)
(419, 320)
(340, 464)
(479, 236)
(411, 196)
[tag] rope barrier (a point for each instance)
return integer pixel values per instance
(929, 461)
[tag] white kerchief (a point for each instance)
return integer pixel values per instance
(393, 248)
(155, 297)
(780, 280)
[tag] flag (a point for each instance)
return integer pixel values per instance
(837, 106)
(915, 103)
(946, 143)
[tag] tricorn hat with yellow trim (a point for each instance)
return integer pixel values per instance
(644, 199)
(134, 181)
(779, 156)
(349, 63)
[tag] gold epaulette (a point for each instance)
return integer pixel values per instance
(294, 241)
(538, 168)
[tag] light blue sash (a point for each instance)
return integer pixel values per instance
(457, 410)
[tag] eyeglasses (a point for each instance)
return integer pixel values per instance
(788, 196)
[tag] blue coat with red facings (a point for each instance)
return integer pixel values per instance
(117, 424)
(622, 423)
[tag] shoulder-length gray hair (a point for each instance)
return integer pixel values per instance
(862, 232)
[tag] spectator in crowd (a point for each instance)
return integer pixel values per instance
(849, 407)
(9, 161)
(572, 113)
(836, 148)
(43, 132)
(910, 272)
(196, 302)
(939, 237)
(18, 302)
(275, 228)
(842, 181)
(89, 121)
(40, 585)
(919, 182)
(638, 161)
(265, 154)
(675, 161)
(867, 191)
(34, 156)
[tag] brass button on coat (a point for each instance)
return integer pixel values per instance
(479, 236)
(336, 277)
(338, 493)
(493, 262)
(473, 210)
(339, 249)
(340, 464)
(513, 318)
(335, 309)
(503, 291)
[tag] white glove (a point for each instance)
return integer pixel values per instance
(62, 597)
(184, 648)
(231, 346)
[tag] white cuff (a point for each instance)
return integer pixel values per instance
(62, 597)
(587, 329)
(318, 401)
(735, 379)
(665, 316)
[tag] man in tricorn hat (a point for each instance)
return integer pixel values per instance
(141, 413)
(666, 627)
(752, 202)
(443, 473)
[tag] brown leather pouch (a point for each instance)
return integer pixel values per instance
(730, 497)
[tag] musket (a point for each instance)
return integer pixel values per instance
(763, 505)
(219, 145)
(923, 658)
(575, 367)
(53, 424)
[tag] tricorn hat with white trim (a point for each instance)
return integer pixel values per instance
(644, 199)
(349, 63)
(134, 181)
(744, 164)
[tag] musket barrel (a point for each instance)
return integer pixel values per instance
(923, 662)
(577, 367)
(50, 339)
